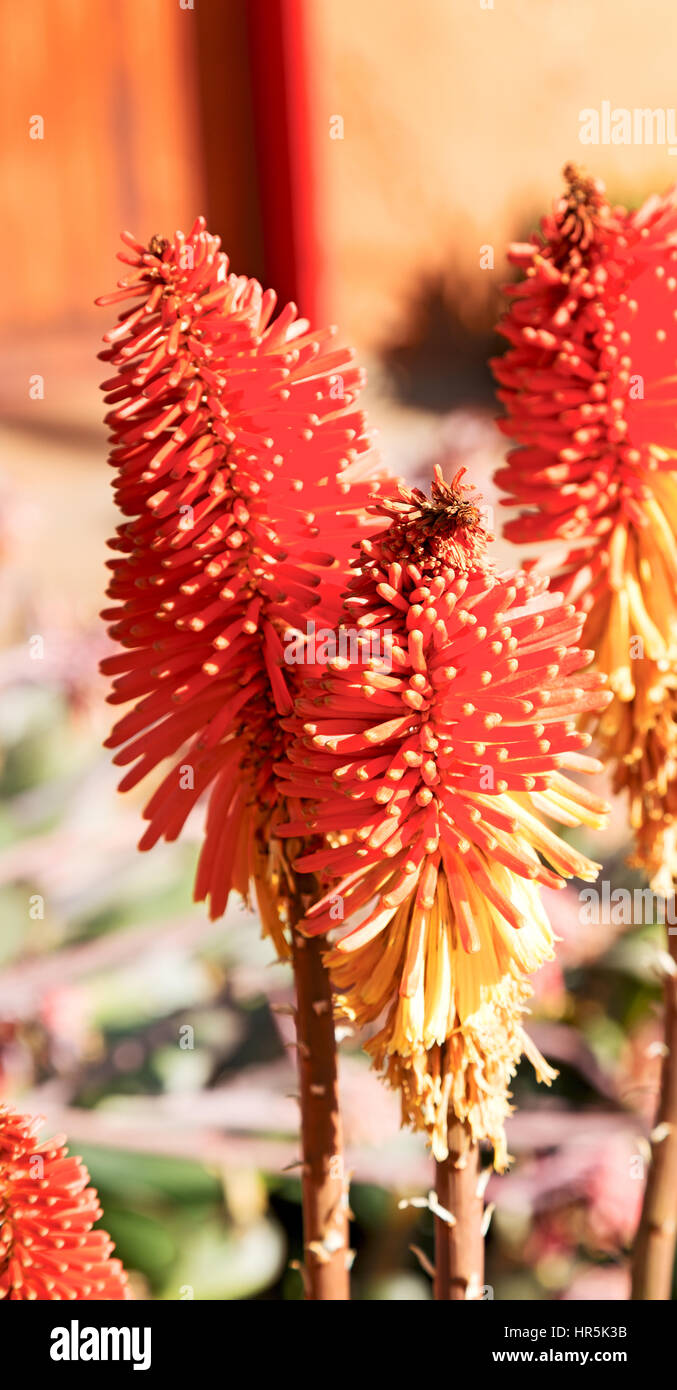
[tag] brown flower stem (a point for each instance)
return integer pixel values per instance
(459, 1248)
(654, 1252)
(325, 1204)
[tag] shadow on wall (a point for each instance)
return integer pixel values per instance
(439, 360)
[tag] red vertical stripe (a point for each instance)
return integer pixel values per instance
(281, 82)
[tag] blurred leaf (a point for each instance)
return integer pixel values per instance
(181, 1070)
(216, 1263)
(372, 1205)
(17, 927)
(149, 1178)
(635, 953)
(150, 989)
(141, 1241)
(405, 1288)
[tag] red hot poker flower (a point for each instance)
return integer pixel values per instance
(237, 452)
(589, 388)
(48, 1249)
(427, 770)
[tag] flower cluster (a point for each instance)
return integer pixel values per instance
(589, 388)
(427, 772)
(48, 1249)
(236, 445)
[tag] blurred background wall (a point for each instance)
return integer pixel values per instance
(409, 134)
(458, 120)
(357, 155)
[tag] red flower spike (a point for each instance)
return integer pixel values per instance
(48, 1249)
(426, 768)
(589, 389)
(238, 449)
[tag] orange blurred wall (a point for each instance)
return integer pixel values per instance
(457, 121)
(114, 82)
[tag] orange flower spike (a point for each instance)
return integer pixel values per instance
(446, 868)
(48, 1249)
(588, 384)
(241, 467)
